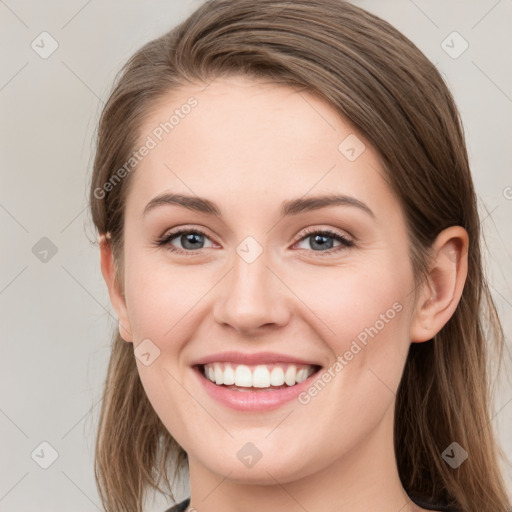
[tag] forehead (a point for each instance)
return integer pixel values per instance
(240, 136)
(244, 113)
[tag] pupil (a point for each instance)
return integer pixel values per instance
(324, 244)
(190, 238)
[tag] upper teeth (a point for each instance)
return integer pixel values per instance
(260, 376)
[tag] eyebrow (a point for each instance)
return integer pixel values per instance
(289, 207)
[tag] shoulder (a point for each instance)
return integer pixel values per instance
(180, 507)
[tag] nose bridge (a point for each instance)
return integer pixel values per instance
(252, 296)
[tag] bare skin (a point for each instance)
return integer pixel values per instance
(249, 146)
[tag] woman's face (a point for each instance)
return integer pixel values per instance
(262, 278)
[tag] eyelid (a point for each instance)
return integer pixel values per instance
(330, 231)
(184, 229)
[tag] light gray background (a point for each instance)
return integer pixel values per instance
(55, 315)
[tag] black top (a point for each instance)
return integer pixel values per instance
(180, 507)
(427, 505)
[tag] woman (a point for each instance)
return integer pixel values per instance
(290, 239)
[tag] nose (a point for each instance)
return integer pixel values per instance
(252, 297)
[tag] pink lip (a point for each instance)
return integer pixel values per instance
(250, 359)
(252, 401)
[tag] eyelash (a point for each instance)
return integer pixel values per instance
(345, 242)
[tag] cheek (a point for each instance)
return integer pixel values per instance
(160, 296)
(356, 303)
(367, 314)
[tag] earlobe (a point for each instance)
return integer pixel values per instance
(441, 293)
(116, 296)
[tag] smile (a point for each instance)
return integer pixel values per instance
(262, 376)
(254, 382)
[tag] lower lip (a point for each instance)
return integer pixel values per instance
(253, 400)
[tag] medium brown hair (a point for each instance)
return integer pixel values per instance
(382, 83)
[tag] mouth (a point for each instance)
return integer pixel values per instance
(255, 388)
(261, 377)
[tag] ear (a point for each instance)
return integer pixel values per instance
(116, 296)
(440, 296)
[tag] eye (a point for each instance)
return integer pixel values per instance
(319, 239)
(191, 239)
